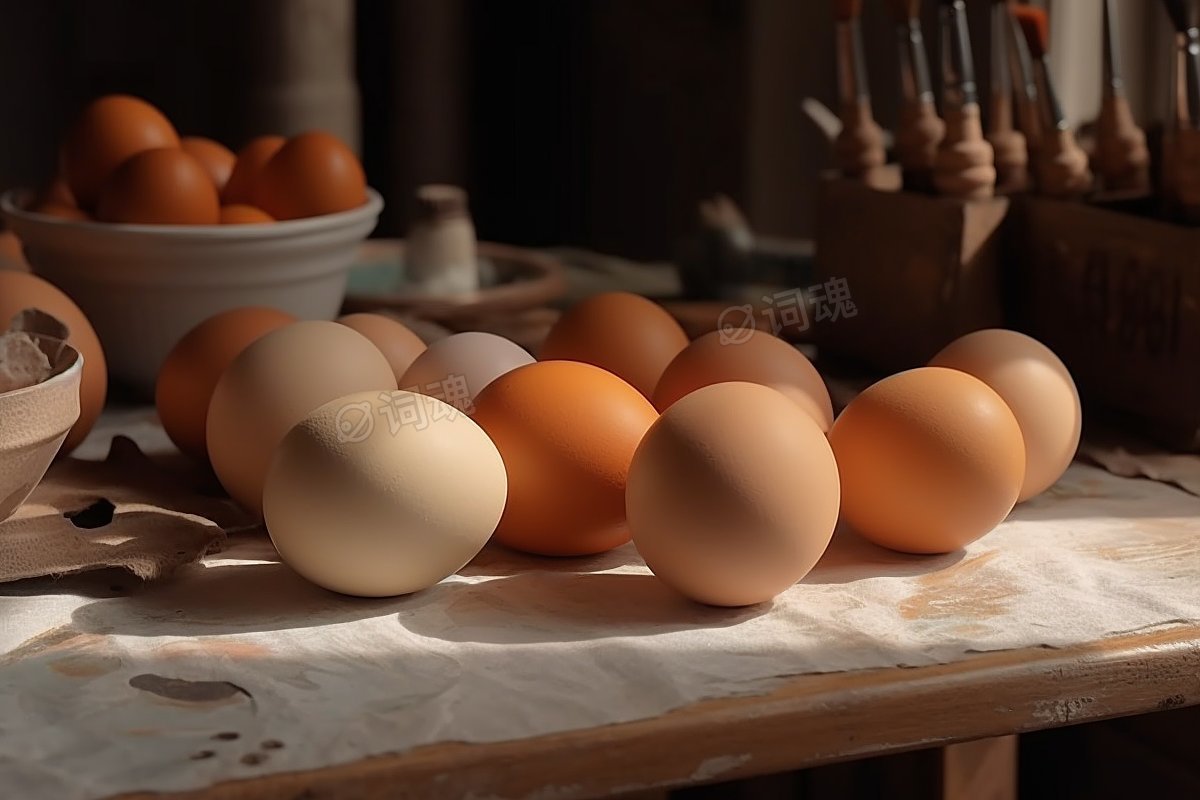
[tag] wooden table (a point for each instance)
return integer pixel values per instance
(812, 720)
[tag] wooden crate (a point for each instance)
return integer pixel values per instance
(921, 271)
(1117, 296)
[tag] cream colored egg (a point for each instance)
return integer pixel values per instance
(1036, 386)
(383, 494)
(273, 384)
(456, 369)
(733, 494)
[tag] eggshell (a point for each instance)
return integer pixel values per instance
(246, 169)
(626, 334)
(1036, 386)
(312, 174)
(567, 432)
(456, 369)
(278, 380)
(190, 372)
(363, 504)
(240, 214)
(216, 158)
(19, 291)
(756, 358)
(160, 187)
(733, 494)
(930, 459)
(399, 345)
(109, 131)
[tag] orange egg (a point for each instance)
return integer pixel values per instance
(399, 345)
(60, 210)
(567, 433)
(160, 187)
(19, 291)
(751, 356)
(626, 334)
(930, 459)
(247, 168)
(190, 372)
(240, 214)
(216, 157)
(104, 136)
(312, 174)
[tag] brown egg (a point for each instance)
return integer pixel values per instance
(59, 192)
(733, 494)
(626, 334)
(312, 174)
(160, 187)
(19, 291)
(109, 131)
(567, 432)
(60, 210)
(399, 345)
(1036, 386)
(214, 156)
(12, 256)
(241, 214)
(247, 168)
(190, 372)
(753, 356)
(273, 384)
(930, 459)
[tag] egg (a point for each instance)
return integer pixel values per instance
(160, 187)
(312, 174)
(456, 369)
(399, 345)
(60, 210)
(191, 370)
(58, 192)
(108, 132)
(12, 256)
(246, 169)
(626, 334)
(931, 459)
(21, 290)
(240, 214)
(567, 432)
(754, 357)
(215, 157)
(733, 494)
(1037, 388)
(273, 384)
(379, 494)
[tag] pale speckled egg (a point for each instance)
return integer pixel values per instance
(931, 459)
(273, 384)
(379, 494)
(751, 356)
(630, 336)
(733, 494)
(1037, 387)
(399, 345)
(456, 369)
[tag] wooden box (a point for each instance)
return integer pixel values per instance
(920, 271)
(1117, 296)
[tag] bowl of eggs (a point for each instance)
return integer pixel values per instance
(151, 233)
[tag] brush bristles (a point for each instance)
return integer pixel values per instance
(904, 10)
(845, 10)
(1035, 24)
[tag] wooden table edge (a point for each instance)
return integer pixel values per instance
(811, 720)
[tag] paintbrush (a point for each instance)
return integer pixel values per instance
(964, 167)
(1181, 150)
(1024, 78)
(1060, 165)
(1122, 158)
(1011, 149)
(920, 129)
(1185, 16)
(859, 146)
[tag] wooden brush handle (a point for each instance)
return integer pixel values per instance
(965, 166)
(859, 147)
(1181, 172)
(1009, 146)
(1062, 166)
(918, 135)
(1122, 158)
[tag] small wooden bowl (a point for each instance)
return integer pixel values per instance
(512, 279)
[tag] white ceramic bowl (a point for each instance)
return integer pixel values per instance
(144, 286)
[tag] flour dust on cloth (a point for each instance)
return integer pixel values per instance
(236, 668)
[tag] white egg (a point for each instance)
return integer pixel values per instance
(456, 369)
